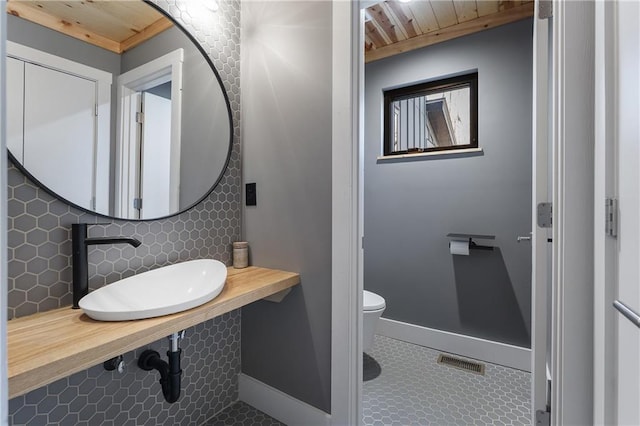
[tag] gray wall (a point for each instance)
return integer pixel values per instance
(39, 277)
(410, 205)
(286, 114)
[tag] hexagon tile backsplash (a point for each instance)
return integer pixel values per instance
(39, 255)
(39, 242)
(210, 354)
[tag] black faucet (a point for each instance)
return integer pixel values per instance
(80, 242)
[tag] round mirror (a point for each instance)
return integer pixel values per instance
(114, 107)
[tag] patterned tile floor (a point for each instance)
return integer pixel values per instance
(414, 390)
(242, 414)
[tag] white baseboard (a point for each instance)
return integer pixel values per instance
(279, 405)
(471, 347)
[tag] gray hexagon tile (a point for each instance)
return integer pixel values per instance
(243, 414)
(210, 363)
(413, 389)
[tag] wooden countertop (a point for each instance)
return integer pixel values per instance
(51, 345)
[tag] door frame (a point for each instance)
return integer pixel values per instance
(609, 251)
(573, 92)
(4, 387)
(573, 216)
(346, 256)
(605, 247)
(165, 68)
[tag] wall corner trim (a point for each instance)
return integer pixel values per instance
(472, 347)
(278, 404)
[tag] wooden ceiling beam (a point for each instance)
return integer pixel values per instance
(376, 35)
(402, 14)
(380, 16)
(483, 23)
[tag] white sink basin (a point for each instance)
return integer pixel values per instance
(162, 291)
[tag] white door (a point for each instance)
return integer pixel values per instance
(540, 271)
(59, 112)
(628, 178)
(155, 179)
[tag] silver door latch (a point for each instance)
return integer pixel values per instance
(521, 238)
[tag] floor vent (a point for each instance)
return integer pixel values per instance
(462, 364)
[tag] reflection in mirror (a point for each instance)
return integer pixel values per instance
(433, 116)
(133, 124)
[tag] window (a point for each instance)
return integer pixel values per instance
(434, 116)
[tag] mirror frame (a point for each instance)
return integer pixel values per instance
(199, 47)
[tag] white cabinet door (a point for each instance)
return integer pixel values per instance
(60, 132)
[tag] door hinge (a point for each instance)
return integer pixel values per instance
(96, 110)
(545, 215)
(137, 203)
(611, 217)
(140, 117)
(543, 418)
(545, 9)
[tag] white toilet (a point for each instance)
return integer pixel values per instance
(373, 306)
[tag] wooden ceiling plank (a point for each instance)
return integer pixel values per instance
(96, 16)
(374, 34)
(150, 31)
(491, 21)
(88, 15)
(403, 15)
(445, 13)
(396, 24)
(103, 23)
(135, 16)
(23, 10)
(368, 43)
(391, 29)
(508, 4)
(424, 16)
(487, 7)
(466, 10)
(375, 29)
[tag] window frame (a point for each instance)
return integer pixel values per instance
(438, 85)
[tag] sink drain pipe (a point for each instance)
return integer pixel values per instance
(170, 373)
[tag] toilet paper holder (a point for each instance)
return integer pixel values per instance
(472, 244)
